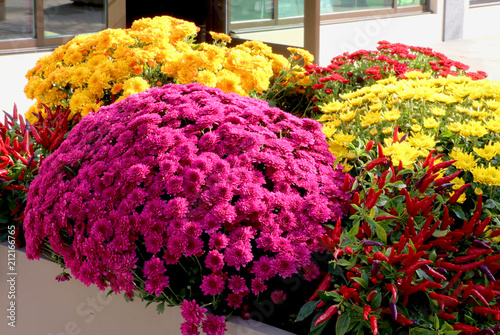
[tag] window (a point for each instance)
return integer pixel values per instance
(475, 3)
(266, 14)
(50, 23)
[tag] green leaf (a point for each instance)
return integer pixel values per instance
(342, 325)
(419, 331)
(405, 171)
(439, 233)
(306, 310)
(458, 212)
(160, 308)
(381, 234)
(377, 300)
(346, 263)
(319, 329)
(361, 281)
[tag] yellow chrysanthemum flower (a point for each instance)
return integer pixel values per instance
(392, 115)
(371, 118)
(422, 141)
(341, 138)
(347, 117)
(437, 111)
(454, 127)
(430, 123)
(332, 107)
(464, 161)
(493, 124)
(403, 152)
(487, 152)
(416, 128)
(328, 130)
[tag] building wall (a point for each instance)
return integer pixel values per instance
(481, 21)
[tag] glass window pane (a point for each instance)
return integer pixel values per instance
(16, 19)
(248, 10)
(73, 17)
(290, 8)
(409, 3)
(339, 6)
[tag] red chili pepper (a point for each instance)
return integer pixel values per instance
(372, 198)
(446, 316)
(375, 163)
(338, 253)
(426, 182)
(480, 227)
(374, 324)
(348, 250)
(381, 257)
(485, 310)
(404, 321)
(443, 299)
(371, 295)
(391, 288)
(428, 158)
(409, 271)
(382, 180)
(457, 292)
(331, 311)
(466, 329)
(347, 183)
(369, 145)
(395, 134)
(471, 266)
(433, 273)
(337, 232)
(473, 256)
(447, 179)
(385, 217)
(454, 279)
(354, 201)
(458, 193)
(323, 286)
(366, 312)
(380, 150)
(478, 295)
(442, 165)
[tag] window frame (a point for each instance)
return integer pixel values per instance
(294, 22)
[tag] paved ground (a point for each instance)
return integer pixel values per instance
(480, 54)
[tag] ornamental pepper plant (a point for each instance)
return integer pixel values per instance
(185, 195)
(20, 158)
(404, 261)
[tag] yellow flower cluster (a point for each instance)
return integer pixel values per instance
(430, 113)
(98, 69)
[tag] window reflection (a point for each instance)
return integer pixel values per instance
(16, 19)
(67, 17)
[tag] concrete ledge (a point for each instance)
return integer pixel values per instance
(44, 306)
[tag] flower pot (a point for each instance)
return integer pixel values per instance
(46, 307)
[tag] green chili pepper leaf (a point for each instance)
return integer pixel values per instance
(459, 212)
(381, 233)
(361, 281)
(342, 325)
(306, 310)
(377, 300)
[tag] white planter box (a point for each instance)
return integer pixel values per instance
(44, 306)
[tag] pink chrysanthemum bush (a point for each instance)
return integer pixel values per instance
(186, 193)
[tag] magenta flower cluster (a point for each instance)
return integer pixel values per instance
(187, 172)
(196, 316)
